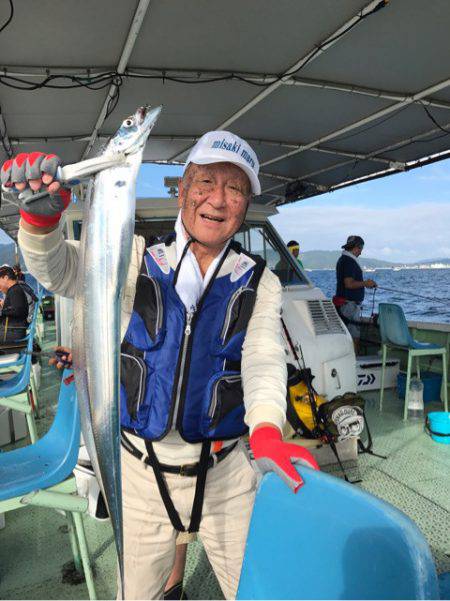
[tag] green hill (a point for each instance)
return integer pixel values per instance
(326, 259)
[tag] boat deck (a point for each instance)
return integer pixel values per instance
(414, 477)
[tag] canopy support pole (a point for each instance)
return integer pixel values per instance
(307, 58)
(360, 122)
(395, 165)
(133, 33)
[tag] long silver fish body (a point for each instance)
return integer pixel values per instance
(105, 250)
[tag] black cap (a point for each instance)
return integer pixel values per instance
(292, 243)
(353, 241)
(6, 270)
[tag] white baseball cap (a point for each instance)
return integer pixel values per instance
(223, 146)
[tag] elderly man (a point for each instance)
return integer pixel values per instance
(202, 362)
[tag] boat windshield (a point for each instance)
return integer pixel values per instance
(261, 239)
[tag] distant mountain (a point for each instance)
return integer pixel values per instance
(326, 259)
(442, 261)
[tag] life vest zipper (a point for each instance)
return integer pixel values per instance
(181, 374)
(184, 357)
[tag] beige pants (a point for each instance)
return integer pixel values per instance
(150, 538)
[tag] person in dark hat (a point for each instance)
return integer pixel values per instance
(13, 308)
(350, 287)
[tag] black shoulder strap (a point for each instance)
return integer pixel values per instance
(197, 506)
(163, 490)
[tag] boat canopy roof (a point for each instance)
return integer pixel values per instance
(328, 93)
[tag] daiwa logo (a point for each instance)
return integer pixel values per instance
(234, 147)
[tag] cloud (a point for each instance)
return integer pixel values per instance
(439, 173)
(407, 233)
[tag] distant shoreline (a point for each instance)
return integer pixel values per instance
(327, 259)
(372, 269)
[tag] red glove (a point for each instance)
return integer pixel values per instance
(274, 455)
(42, 212)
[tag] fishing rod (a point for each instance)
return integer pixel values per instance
(408, 293)
(318, 432)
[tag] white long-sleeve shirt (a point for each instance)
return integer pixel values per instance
(53, 262)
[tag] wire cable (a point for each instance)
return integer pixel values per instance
(429, 114)
(324, 46)
(102, 80)
(11, 15)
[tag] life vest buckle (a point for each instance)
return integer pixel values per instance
(186, 469)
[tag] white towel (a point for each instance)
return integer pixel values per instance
(190, 283)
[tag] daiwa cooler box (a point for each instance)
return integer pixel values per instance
(368, 373)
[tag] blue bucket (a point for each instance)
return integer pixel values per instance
(438, 424)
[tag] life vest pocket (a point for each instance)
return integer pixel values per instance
(133, 378)
(149, 307)
(225, 407)
(238, 313)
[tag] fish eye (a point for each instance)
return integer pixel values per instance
(128, 122)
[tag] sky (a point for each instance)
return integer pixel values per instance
(402, 218)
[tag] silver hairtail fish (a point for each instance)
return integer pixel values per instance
(104, 257)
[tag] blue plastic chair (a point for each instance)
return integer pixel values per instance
(41, 475)
(14, 392)
(395, 333)
(332, 541)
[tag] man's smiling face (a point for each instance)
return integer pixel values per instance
(213, 200)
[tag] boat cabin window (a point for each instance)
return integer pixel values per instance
(259, 240)
(147, 229)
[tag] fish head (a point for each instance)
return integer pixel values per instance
(132, 135)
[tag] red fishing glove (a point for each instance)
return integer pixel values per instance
(44, 211)
(274, 455)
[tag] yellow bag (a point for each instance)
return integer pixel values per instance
(298, 394)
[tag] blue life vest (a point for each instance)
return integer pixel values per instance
(181, 371)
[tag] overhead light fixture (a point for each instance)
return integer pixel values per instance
(172, 184)
(398, 165)
(298, 189)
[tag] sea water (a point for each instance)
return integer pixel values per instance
(433, 283)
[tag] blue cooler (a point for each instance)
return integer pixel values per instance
(431, 385)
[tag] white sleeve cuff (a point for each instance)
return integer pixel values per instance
(39, 243)
(264, 412)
